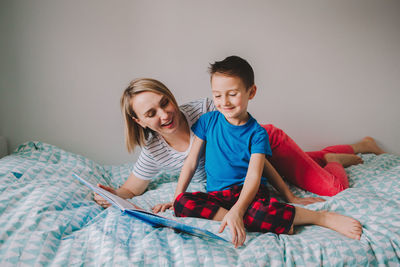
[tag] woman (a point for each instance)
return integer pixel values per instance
(154, 122)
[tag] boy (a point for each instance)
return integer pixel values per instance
(236, 147)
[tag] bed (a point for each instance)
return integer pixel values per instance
(48, 218)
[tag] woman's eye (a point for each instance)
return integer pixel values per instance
(233, 94)
(217, 96)
(165, 102)
(150, 114)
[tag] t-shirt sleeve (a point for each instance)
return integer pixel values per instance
(260, 142)
(146, 167)
(199, 127)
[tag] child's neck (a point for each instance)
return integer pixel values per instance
(237, 121)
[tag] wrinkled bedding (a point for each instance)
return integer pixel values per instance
(48, 218)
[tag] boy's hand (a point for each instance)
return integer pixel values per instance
(100, 200)
(163, 207)
(235, 223)
(306, 200)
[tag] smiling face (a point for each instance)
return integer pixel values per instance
(156, 111)
(231, 97)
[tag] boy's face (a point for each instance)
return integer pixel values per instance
(231, 97)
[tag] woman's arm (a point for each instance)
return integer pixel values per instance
(133, 186)
(187, 172)
(234, 217)
(277, 182)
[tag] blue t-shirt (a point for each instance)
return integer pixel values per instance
(229, 148)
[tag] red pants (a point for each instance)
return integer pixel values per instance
(307, 170)
(264, 214)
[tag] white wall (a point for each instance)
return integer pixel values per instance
(327, 71)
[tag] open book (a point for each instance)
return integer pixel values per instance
(146, 216)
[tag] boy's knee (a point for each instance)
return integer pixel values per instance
(178, 198)
(179, 204)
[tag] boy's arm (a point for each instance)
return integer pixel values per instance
(234, 217)
(189, 166)
(251, 183)
(188, 169)
(277, 182)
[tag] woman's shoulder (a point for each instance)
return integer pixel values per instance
(201, 105)
(194, 109)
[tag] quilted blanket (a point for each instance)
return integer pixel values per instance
(48, 218)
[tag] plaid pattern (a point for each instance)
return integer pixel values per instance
(264, 214)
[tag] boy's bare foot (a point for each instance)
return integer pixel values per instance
(367, 145)
(345, 159)
(342, 224)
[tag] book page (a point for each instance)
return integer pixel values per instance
(114, 200)
(146, 216)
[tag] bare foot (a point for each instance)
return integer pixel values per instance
(367, 145)
(345, 159)
(342, 224)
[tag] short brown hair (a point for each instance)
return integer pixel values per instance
(234, 66)
(134, 133)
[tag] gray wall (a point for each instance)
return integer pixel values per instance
(327, 71)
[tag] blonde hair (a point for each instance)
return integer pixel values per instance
(134, 133)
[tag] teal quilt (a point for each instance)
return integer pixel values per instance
(48, 218)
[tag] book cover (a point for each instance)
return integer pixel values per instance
(146, 216)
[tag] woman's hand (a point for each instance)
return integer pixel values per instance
(236, 226)
(163, 207)
(100, 200)
(306, 200)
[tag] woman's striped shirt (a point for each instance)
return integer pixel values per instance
(157, 156)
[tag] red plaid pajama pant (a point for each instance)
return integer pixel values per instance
(264, 214)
